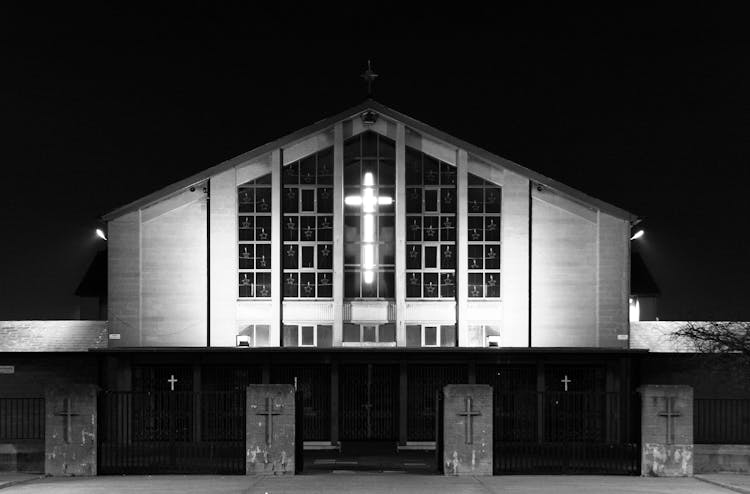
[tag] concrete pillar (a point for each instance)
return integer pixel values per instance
(666, 430)
(400, 246)
(467, 429)
(223, 268)
(338, 233)
(70, 430)
(276, 216)
(462, 236)
(270, 438)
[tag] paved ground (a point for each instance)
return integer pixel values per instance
(8, 479)
(736, 482)
(369, 484)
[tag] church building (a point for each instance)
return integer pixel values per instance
(367, 293)
(370, 260)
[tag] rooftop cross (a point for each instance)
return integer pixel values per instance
(369, 76)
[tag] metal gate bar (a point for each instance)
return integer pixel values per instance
(158, 432)
(369, 402)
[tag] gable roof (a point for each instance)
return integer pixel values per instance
(352, 112)
(52, 336)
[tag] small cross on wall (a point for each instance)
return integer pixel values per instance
(171, 382)
(670, 414)
(566, 381)
(469, 414)
(68, 413)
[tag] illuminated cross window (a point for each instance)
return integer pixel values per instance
(367, 201)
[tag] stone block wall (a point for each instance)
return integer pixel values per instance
(666, 430)
(467, 429)
(70, 430)
(270, 440)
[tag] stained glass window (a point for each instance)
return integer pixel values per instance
(430, 227)
(483, 223)
(254, 223)
(307, 228)
(369, 237)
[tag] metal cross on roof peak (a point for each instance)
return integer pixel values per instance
(369, 76)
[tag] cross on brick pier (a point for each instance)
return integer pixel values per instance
(469, 424)
(269, 413)
(68, 414)
(670, 414)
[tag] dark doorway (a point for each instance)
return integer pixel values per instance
(369, 402)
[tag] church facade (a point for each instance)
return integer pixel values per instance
(369, 229)
(370, 260)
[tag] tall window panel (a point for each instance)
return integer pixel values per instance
(430, 227)
(369, 231)
(484, 206)
(254, 205)
(308, 227)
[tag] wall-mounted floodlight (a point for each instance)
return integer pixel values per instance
(100, 234)
(637, 235)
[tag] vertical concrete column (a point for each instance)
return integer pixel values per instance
(613, 282)
(70, 430)
(467, 429)
(223, 258)
(338, 233)
(276, 216)
(124, 280)
(462, 236)
(666, 430)
(514, 260)
(270, 434)
(400, 246)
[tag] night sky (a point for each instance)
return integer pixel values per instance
(648, 110)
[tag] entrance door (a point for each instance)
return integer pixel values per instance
(369, 402)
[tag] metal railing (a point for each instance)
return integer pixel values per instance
(21, 419)
(721, 421)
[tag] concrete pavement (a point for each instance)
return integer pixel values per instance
(737, 482)
(368, 484)
(9, 479)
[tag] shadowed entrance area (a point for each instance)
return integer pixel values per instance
(370, 456)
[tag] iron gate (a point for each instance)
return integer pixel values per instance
(369, 402)
(423, 384)
(314, 384)
(171, 432)
(585, 431)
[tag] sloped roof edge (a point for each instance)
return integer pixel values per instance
(389, 112)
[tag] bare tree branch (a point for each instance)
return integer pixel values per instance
(717, 337)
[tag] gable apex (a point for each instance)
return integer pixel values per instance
(375, 106)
